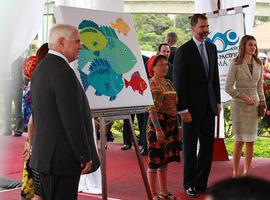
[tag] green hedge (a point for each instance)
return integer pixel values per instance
(261, 147)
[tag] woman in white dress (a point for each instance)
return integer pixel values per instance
(91, 183)
(245, 85)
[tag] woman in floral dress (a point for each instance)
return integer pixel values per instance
(163, 139)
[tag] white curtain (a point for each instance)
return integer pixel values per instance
(109, 5)
(20, 21)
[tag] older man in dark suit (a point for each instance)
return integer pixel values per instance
(63, 145)
(171, 39)
(196, 79)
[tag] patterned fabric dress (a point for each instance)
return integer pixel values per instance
(27, 190)
(26, 105)
(165, 100)
(31, 179)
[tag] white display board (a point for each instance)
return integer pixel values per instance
(226, 32)
(110, 66)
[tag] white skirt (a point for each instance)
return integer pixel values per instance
(91, 183)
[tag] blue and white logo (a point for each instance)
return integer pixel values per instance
(224, 41)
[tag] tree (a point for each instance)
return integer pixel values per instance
(152, 29)
(183, 22)
(156, 23)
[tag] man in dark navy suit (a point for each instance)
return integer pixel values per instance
(196, 79)
(63, 145)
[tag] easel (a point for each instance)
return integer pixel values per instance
(117, 114)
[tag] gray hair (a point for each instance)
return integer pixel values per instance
(60, 31)
(172, 35)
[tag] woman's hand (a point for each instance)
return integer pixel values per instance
(248, 100)
(26, 154)
(160, 136)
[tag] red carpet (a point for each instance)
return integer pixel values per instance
(124, 179)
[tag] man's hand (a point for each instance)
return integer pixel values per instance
(86, 167)
(186, 117)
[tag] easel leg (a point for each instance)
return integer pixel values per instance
(139, 158)
(103, 158)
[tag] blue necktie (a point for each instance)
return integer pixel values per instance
(205, 63)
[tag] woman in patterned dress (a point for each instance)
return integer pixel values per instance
(245, 85)
(163, 140)
(31, 181)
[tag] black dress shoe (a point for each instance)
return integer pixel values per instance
(126, 147)
(191, 192)
(144, 152)
(201, 190)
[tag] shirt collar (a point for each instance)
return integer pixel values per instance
(197, 42)
(58, 54)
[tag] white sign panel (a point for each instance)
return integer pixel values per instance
(226, 32)
(110, 66)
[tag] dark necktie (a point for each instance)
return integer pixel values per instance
(205, 64)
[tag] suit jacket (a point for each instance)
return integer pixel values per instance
(145, 59)
(172, 54)
(63, 126)
(240, 80)
(170, 72)
(196, 91)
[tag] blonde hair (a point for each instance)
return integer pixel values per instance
(60, 31)
(242, 50)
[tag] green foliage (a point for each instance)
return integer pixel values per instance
(264, 125)
(117, 130)
(183, 22)
(150, 39)
(227, 121)
(117, 126)
(149, 23)
(261, 147)
(152, 29)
